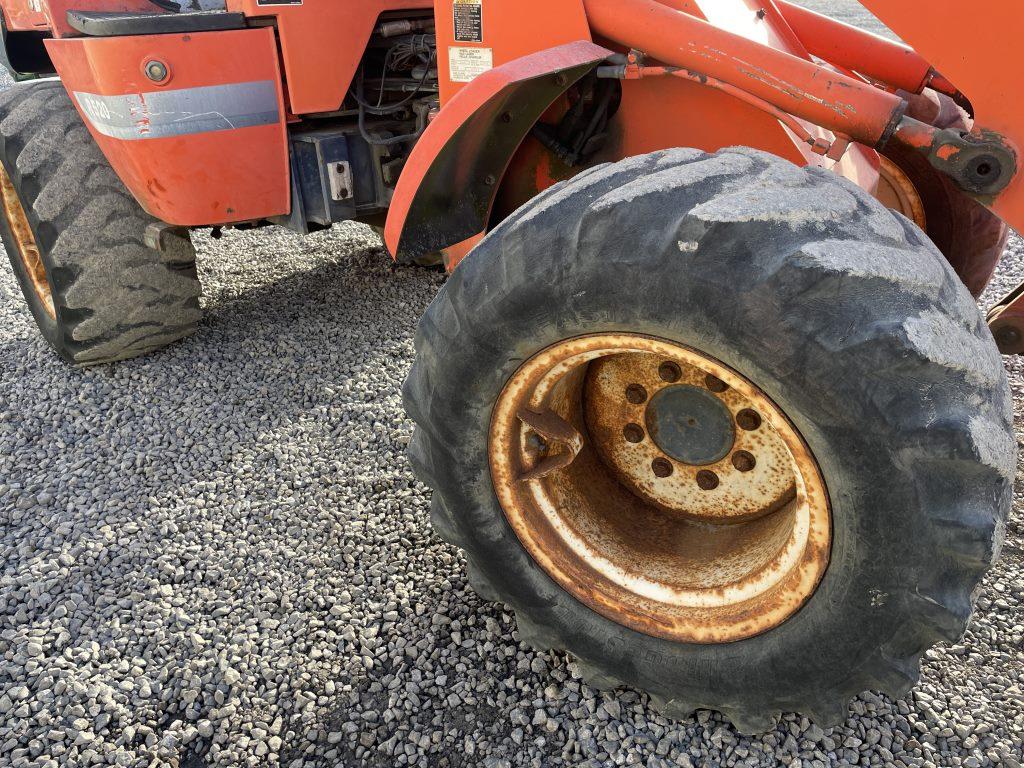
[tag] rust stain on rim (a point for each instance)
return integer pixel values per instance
(897, 191)
(706, 553)
(28, 250)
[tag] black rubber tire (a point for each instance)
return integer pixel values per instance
(970, 236)
(114, 297)
(841, 311)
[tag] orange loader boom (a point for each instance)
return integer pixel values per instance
(860, 106)
(981, 63)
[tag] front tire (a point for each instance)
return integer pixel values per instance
(841, 312)
(75, 238)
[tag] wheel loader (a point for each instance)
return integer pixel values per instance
(706, 398)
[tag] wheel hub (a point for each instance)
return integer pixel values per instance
(691, 425)
(660, 487)
(897, 191)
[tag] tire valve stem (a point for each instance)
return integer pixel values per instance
(550, 428)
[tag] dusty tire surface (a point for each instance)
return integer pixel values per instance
(841, 311)
(114, 297)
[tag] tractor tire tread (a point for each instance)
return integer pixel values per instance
(115, 297)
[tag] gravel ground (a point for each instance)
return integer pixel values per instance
(850, 11)
(218, 556)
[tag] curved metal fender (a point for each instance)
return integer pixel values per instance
(447, 188)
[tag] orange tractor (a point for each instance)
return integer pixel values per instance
(707, 398)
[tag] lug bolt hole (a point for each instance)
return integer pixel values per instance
(715, 384)
(156, 71)
(633, 433)
(661, 467)
(748, 419)
(670, 372)
(743, 461)
(636, 394)
(707, 480)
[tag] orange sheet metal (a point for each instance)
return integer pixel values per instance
(977, 48)
(23, 15)
(507, 30)
(793, 84)
(205, 146)
(461, 129)
(322, 43)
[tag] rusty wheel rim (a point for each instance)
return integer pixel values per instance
(599, 463)
(25, 242)
(897, 191)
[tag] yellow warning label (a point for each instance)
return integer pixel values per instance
(466, 63)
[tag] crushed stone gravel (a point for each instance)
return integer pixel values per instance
(218, 556)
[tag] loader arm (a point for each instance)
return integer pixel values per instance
(829, 108)
(981, 59)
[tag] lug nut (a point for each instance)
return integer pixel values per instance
(743, 461)
(633, 433)
(662, 468)
(670, 372)
(707, 480)
(636, 394)
(715, 384)
(748, 419)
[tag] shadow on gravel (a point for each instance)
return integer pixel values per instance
(266, 357)
(359, 728)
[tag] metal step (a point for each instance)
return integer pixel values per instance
(111, 24)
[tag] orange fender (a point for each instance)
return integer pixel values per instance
(448, 186)
(207, 144)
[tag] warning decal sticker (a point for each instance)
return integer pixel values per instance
(466, 63)
(468, 20)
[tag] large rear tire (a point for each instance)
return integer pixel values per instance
(75, 238)
(848, 321)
